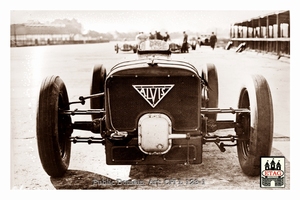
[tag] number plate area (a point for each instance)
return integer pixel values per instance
(154, 130)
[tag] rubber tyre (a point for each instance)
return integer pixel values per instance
(97, 86)
(53, 129)
(204, 92)
(256, 127)
(134, 48)
(213, 90)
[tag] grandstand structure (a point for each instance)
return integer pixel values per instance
(36, 34)
(266, 34)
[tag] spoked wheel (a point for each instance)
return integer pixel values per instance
(98, 81)
(53, 129)
(255, 130)
(211, 76)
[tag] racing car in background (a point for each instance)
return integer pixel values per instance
(193, 43)
(204, 40)
(126, 46)
(154, 110)
(176, 46)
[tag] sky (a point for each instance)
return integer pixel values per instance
(142, 20)
(146, 16)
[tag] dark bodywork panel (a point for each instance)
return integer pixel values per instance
(124, 105)
(182, 152)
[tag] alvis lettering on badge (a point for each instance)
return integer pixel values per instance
(153, 94)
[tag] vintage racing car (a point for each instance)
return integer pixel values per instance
(154, 110)
(176, 46)
(204, 40)
(193, 43)
(126, 46)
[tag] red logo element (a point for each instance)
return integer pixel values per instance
(272, 173)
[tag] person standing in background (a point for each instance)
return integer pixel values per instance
(159, 36)
(141, 37)
(167, 37)
(151, 36)
(184, 47)
(213, 39)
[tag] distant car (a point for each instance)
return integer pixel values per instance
(126, 46)
(176, 46)
(193, 43)
(204, 39)
(154, 110)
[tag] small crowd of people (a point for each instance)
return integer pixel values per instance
(185, 46)
(156, 36)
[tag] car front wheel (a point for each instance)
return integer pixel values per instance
(53, 129)
(97, 86)
(255, 129)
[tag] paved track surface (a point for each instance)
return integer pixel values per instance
(74, 63)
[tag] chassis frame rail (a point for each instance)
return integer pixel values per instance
(222, 110)
(203, 111)
(89, 140)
